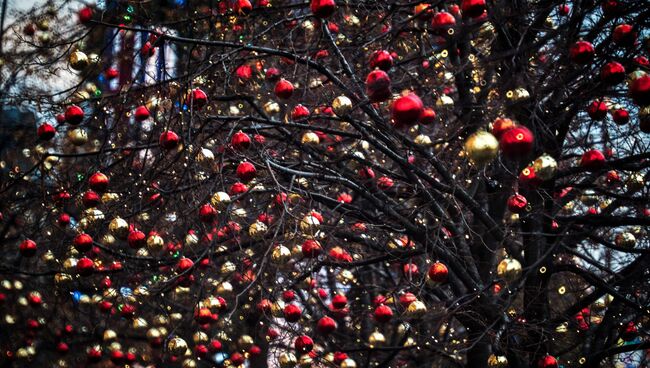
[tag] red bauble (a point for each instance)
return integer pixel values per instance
(242, 7)
(272, 74)
(244, 72)
(528, 178)
(438, 273)
(85, 266)
(111, 73)
(383, 313)
(339, 301)
(620, 116)
(311, 248)
(640, 90)
(237, 359)
(428, 116)
(283, 89)
(385, 183)
(141, 113)
(85, 15)
(323, 8)
(612, 73)
(597, 110)
(611, 8)
(184, 264)
(288, 295)
(27, 248)
(406, 110)
(64, 219)
(442, 22)
(207, 213)
(564, 10)
(299, 112)
(91, 199)
(94, 355)
(629, 332)
(344, 198)
(74, 115)
(581, 52)
(303, 344)
(136, 239)
(593, 160)
(83, 242)
(547, 361)
(500, 126)
(381, 59)
(292, 313)
(45, 132)
(472, 8)
(516, 142)
(168, 140)
(238, 188)
(517, 203)
(197, 98)
(246, 171)
(240, 141)
(326, 325)
(98, 182)
(624, 35)
(378, 86)
(406, 299)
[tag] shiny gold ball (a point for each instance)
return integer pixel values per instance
(309, 224)
(119, 228)
(153, 334)
(200, 337)
(482, 147)
(416, 309)
(155, 243)
(545, 167)
(257, 230)
(245, 342)
(287, 360)
(176, 346)
(310, 138)
(497, 361)
(225, 288)
(78, 60)
(189, 363)
(271, 107)
(625, 240)
(305, 361)
(509, 269)
(281, 255)
(376, 339)
(423, 140)
(341, 105)
(78, 136)
(348, 363)
(109, 335)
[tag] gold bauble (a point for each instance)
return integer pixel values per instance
(423, 140)
(78, 136)
(109, 335)
(205, 157)
(416, 309)
(110, 197)
(139, 323)
(227, 268)
(348, 363)
(635, 182)
(176, 346)
(310, 138)
(376, 339)
(545, 167)
(509, 269)
(625, 240)
(444, 101)
(78, 60)
(287, 360)
(224, 288)
(257, 230)
(277, 308)
(482, 147)
(306, 361)
(346, 277)
(280, 255)
(271, 107)
(191, 239)
(341, 105)
(70, 264)
(309, 224)
(200, 337)
(499, 361)
(220, 200)
(119, 228)
(189, 363)
(155, 243)
(245, 342)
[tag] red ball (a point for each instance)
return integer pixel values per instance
(378, 86)
(168, 140)
(547, 361)
(91, 199)
(238, 188)
(612, 73)
(500, 126)
(246, 171)
(611, 8)
(197, 98)
(438, 273)
(244, 72)
(283, 89)
(406, 299)
(83, 242)
(528, 178)
(442, 22)
(184, 264)
(473, 8)
(207, 213)
(381, 59)
(517, 203)
(406, 110)
(620, 116)
(215, 345)
(303, 344)
(45, 132)
(593, 160)
(311, 248)
(624, 35)
(383, 313)
(64, 219)
(141, 113)
(516, 142)
(94, 355)
(326, 325)
(85, 15)
(240, 141)
(242, 7)
(272, 74)
(85, 266)
(564, 9)
(98, 182)
(136, 239)
(640, 90)
(323, 8)
(237, 359)
(292, 313)
(74, 115)
(339, 301)
(581, 52)
(385, 183)
(597, 110)
(299, 112)
(111, 73)
(27, 248)
(428, 116)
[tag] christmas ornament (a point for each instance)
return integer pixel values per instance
(545, 167)
(517, 142)
(406, 110)
(481, 147)
(509, 269)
